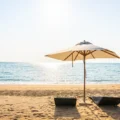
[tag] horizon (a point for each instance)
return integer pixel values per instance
(30, 29)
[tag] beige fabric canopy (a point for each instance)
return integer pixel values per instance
(82, 51)
(77, 52)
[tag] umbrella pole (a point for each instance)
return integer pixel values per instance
(84, 75)
(72, 60)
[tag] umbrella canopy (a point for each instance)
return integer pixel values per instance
(82, 51)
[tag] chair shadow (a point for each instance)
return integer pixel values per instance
(66, 111)
(113, 111)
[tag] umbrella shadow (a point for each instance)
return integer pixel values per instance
(113, 111)
(88, 105)
(66, 111)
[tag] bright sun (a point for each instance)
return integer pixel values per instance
(51, 65)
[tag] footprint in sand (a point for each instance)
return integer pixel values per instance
(9, 104)
(26, 116)
(38, 115)
(10, 109)
(34, 111)
(20, 112)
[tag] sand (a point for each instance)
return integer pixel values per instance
(36, 102)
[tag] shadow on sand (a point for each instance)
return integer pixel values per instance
(113, 111)
(65, 111)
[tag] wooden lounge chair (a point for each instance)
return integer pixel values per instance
(65, 101)
(106, 100)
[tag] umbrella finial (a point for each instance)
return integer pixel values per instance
(83, 42)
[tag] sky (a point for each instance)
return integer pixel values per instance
(30, 29)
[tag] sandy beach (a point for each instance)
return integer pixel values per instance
(36, 102)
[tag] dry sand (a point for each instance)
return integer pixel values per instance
(36, 102)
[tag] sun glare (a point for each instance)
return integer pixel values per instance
(51, 65)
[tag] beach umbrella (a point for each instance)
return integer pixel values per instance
(82, 51)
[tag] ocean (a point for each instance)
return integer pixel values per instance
(57, 73)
